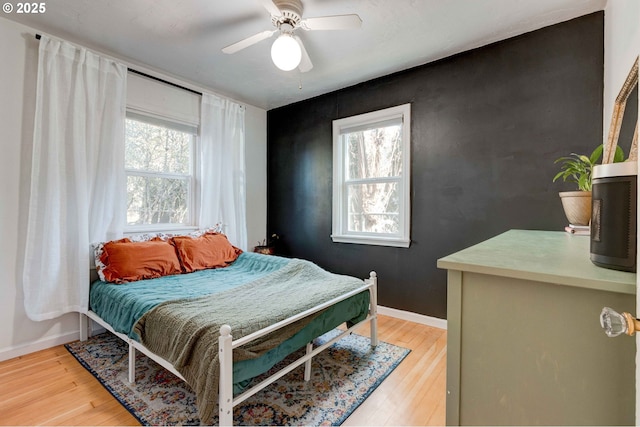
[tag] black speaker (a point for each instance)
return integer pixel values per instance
(613, 216)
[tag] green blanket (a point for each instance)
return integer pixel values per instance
(185, 332)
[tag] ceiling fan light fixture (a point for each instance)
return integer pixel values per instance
(285, 52)
(288, 51)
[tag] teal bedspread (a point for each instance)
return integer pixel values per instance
(123, 305)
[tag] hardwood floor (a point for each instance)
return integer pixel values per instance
(50, 387)
(415, 392)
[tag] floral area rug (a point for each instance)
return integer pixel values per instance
(342, 377)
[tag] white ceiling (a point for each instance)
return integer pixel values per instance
(184, 38)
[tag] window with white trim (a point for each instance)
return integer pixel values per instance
(159, 165)
(371, 178)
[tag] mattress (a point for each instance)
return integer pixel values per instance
(122, 305)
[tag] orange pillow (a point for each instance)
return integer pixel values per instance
(127, 261)
(211, 250)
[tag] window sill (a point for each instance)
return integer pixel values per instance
(159, 229)
(374, 241)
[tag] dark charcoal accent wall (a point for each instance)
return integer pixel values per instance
(486, 127)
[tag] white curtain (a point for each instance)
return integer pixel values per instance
(77, 175)
(223, 193)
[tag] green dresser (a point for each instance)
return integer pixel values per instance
(525, 346)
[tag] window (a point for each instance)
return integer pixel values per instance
(159, 163)
(371, 177)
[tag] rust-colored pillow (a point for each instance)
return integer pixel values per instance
(211, 250)
(127, 261)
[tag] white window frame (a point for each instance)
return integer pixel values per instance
(340, 232)
(192, 197)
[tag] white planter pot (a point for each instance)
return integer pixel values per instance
(577, 206)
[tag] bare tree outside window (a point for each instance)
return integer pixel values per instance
(374, 169)
(158, 166)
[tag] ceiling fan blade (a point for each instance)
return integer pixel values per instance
(338, 22)
(271, 7)
(233, 48)
(305, 62)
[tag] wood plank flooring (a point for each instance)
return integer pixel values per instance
(50, 387)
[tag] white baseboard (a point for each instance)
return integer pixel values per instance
(48, 342)
(413, 317)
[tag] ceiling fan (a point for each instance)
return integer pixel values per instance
(288, 51)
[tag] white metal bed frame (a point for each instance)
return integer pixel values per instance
(226, 401)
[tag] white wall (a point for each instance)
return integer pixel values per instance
(256, 173)
(621, 41)
(19, 53)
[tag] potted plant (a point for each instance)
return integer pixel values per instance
(577, 168)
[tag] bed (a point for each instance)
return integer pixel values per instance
(218, 328)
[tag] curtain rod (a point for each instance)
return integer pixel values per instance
(140, 73)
